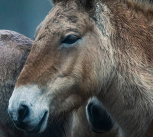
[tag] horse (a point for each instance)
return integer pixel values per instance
(88, 48)
(14, 49)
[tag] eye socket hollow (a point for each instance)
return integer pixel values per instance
(70, 39)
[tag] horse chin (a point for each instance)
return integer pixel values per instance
(41, 125)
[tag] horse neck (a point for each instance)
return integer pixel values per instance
(129, 44)
(131, 88)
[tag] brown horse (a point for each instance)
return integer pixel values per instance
(85, 48)
(14, 49)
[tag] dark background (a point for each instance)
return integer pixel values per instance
(23, 16)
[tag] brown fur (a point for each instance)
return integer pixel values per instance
(114, 58)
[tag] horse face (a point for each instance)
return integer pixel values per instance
(62, 70)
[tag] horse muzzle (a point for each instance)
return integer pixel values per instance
(28, 112)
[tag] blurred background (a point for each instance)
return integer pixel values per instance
(23, 16)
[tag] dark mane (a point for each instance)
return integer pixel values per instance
(141, 7)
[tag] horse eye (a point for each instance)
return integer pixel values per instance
(70, 39)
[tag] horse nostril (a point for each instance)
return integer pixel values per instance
(23, 112)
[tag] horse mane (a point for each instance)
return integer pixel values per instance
(140, 3)
(141, 7)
